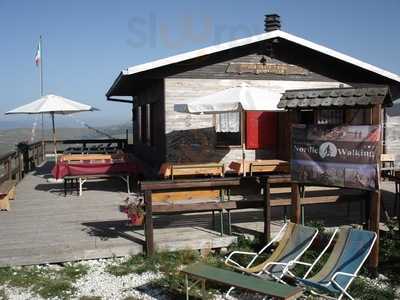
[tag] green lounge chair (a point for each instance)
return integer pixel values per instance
(348, 255)
(295, 240)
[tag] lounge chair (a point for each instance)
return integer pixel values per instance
(295, 240)
(348, 255)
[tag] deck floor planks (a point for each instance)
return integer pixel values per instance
(43, 226)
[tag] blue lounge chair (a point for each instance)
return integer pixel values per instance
(352, 248)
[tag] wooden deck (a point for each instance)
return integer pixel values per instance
(43, 226)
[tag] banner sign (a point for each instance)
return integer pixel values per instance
(341, 156)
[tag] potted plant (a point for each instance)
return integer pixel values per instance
(134, 209)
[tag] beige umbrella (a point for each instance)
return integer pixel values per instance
(52, 104)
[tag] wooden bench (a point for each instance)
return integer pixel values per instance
(79, 158)
(260, 166)
(203, 272)
(215, 196)
(171, 170)
(79, 180)
(7, 192)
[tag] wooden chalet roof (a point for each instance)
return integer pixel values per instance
(335, 97)
(129, 77)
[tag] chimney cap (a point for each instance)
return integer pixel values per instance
(272, 22)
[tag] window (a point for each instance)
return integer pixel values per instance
(307, 117)
(228, 129)
(145, 121)
(329, 117)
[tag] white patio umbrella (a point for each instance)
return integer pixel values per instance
(52, 104)
(235, 99)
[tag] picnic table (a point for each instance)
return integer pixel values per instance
(81, 172)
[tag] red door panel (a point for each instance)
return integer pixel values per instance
(261, 127)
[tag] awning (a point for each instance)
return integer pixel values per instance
(239, 98)
(335, 97)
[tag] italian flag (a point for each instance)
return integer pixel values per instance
(38, 56)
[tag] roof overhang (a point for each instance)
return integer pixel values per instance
(336, 98)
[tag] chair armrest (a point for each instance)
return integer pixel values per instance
(297, 262)
(274, 263)
(333, 280)
(344, 274)
(230, 262)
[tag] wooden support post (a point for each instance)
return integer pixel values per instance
(19, 165)
(9, 168)
(267, 212)
(375, 198)
(375, 214)
(296, 204)
(149, 234)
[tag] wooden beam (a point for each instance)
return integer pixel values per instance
(189, 184)
(375, 199)
(199, 193)
(267, 212)
(374, 226)
(149, 234)
(296, 204)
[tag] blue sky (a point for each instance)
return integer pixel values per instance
(87, 43)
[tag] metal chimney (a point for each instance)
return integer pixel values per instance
(272, 22)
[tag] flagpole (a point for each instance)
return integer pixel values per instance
(41, 66)
(41, 89)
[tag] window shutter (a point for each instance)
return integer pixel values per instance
(261, 127)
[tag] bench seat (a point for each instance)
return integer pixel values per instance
(7, 193)
(273, 289)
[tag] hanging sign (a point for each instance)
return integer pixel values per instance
(341, 156)
(265, 68)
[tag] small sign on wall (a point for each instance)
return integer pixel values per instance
(341, 156)
(266, 68)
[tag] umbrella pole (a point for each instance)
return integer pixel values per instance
(54, 136)
(242, 129)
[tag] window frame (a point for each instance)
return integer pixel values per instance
(226, 144)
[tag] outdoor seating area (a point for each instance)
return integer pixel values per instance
(203, 212)
(262, 167)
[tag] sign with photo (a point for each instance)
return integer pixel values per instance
(341, 156)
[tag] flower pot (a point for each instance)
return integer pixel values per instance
(136, 219)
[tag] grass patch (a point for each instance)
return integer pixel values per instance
(45, 282)
(367, 289)
(90, 298)
(169, 264)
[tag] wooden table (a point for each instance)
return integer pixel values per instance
(203, 272)
(260, 166)
(170, 170)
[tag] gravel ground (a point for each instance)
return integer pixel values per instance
(98, 282)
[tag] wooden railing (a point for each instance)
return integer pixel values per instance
(14, 164)
(61, 145)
